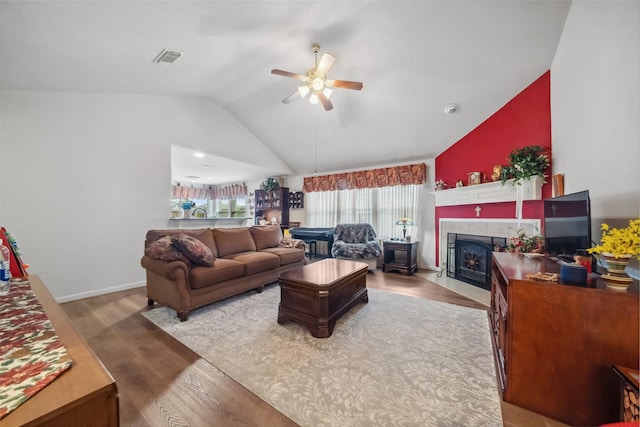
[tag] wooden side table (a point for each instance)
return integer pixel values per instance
(401, 256)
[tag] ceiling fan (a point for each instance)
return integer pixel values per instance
(317, 86)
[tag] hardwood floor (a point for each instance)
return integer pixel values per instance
(163, 383)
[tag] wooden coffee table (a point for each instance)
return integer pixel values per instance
(318, 294)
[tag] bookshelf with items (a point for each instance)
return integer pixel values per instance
(272, 204)
(296, 200)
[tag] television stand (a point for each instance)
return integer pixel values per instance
(566, 258)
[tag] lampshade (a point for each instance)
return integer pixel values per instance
(404, 221)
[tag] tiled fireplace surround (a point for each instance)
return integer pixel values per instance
(491, 227)
(485, 226)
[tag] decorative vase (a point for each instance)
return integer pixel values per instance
(615, 277)
(187, 213)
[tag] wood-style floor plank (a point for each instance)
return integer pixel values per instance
(163, 383)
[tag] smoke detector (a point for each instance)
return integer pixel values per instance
(451, 108)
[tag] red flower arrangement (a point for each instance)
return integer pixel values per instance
(522, 244)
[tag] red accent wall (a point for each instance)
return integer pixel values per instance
(523, 121)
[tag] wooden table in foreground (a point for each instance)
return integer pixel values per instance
(318, 294)
(84, 395)
(555, 343)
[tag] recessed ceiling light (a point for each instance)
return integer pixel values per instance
(205, 166)
(198, 154)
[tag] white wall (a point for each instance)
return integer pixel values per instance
(595, 106)
(84, 176)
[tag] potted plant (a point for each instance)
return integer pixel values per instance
(270, 183)
(617, 247)
(524, 163)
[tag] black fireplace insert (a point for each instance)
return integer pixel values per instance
(469, 258)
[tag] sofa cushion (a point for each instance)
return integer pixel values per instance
(286, 255)
(223, 269)
(163, 250)
(202, 234)
(256, 262)
(193, 249)
(233, 240)
(266, 236)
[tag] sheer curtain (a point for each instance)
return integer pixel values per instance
(380, 207)
(321, 208)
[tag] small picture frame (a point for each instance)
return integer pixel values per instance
(475, 178)
(557, 185)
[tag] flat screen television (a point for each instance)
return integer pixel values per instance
(567, 225)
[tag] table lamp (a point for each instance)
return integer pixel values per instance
(404, 222)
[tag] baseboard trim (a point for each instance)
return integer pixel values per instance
(99, 292)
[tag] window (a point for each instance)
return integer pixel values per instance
(380, 207)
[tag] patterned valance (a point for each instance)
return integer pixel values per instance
(372, 178)
(199, 192)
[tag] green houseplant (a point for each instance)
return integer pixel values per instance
(524, 163)
(270, 183)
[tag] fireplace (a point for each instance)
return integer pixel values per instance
(469, 258)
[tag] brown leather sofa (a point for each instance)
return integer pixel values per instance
(243, 259)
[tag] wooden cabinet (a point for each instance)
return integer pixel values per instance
(84, 395)
(296, 200)
(555, 343)
(272, 203)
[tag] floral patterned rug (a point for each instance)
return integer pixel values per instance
(395, 361)
(31, 354)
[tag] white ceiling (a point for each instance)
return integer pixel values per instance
(414, 58)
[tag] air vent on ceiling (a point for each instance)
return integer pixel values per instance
(167, 57)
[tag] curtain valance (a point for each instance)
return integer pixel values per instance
(371, 178)
(199, 191)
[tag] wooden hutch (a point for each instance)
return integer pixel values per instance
(273, 204)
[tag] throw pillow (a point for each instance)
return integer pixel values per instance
(163, 250)
(193, 249)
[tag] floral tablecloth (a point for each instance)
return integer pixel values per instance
(31, 354)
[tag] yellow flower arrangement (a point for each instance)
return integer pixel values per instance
(620, 241)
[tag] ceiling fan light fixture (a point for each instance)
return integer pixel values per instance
(303, 91)
(317, 84)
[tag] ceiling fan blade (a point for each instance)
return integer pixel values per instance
(325, 64)
(289, 74)
(344, 84)
(291, 97)
(328, 106)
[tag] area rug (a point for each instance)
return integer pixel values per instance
(395, 361)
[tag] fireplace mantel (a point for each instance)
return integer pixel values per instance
(490, 192)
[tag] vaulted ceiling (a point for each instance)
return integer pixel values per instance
(414, 58)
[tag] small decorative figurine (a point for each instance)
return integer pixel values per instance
(459, 183)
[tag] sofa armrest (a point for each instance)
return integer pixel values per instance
(168, 269)
(292, 243)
